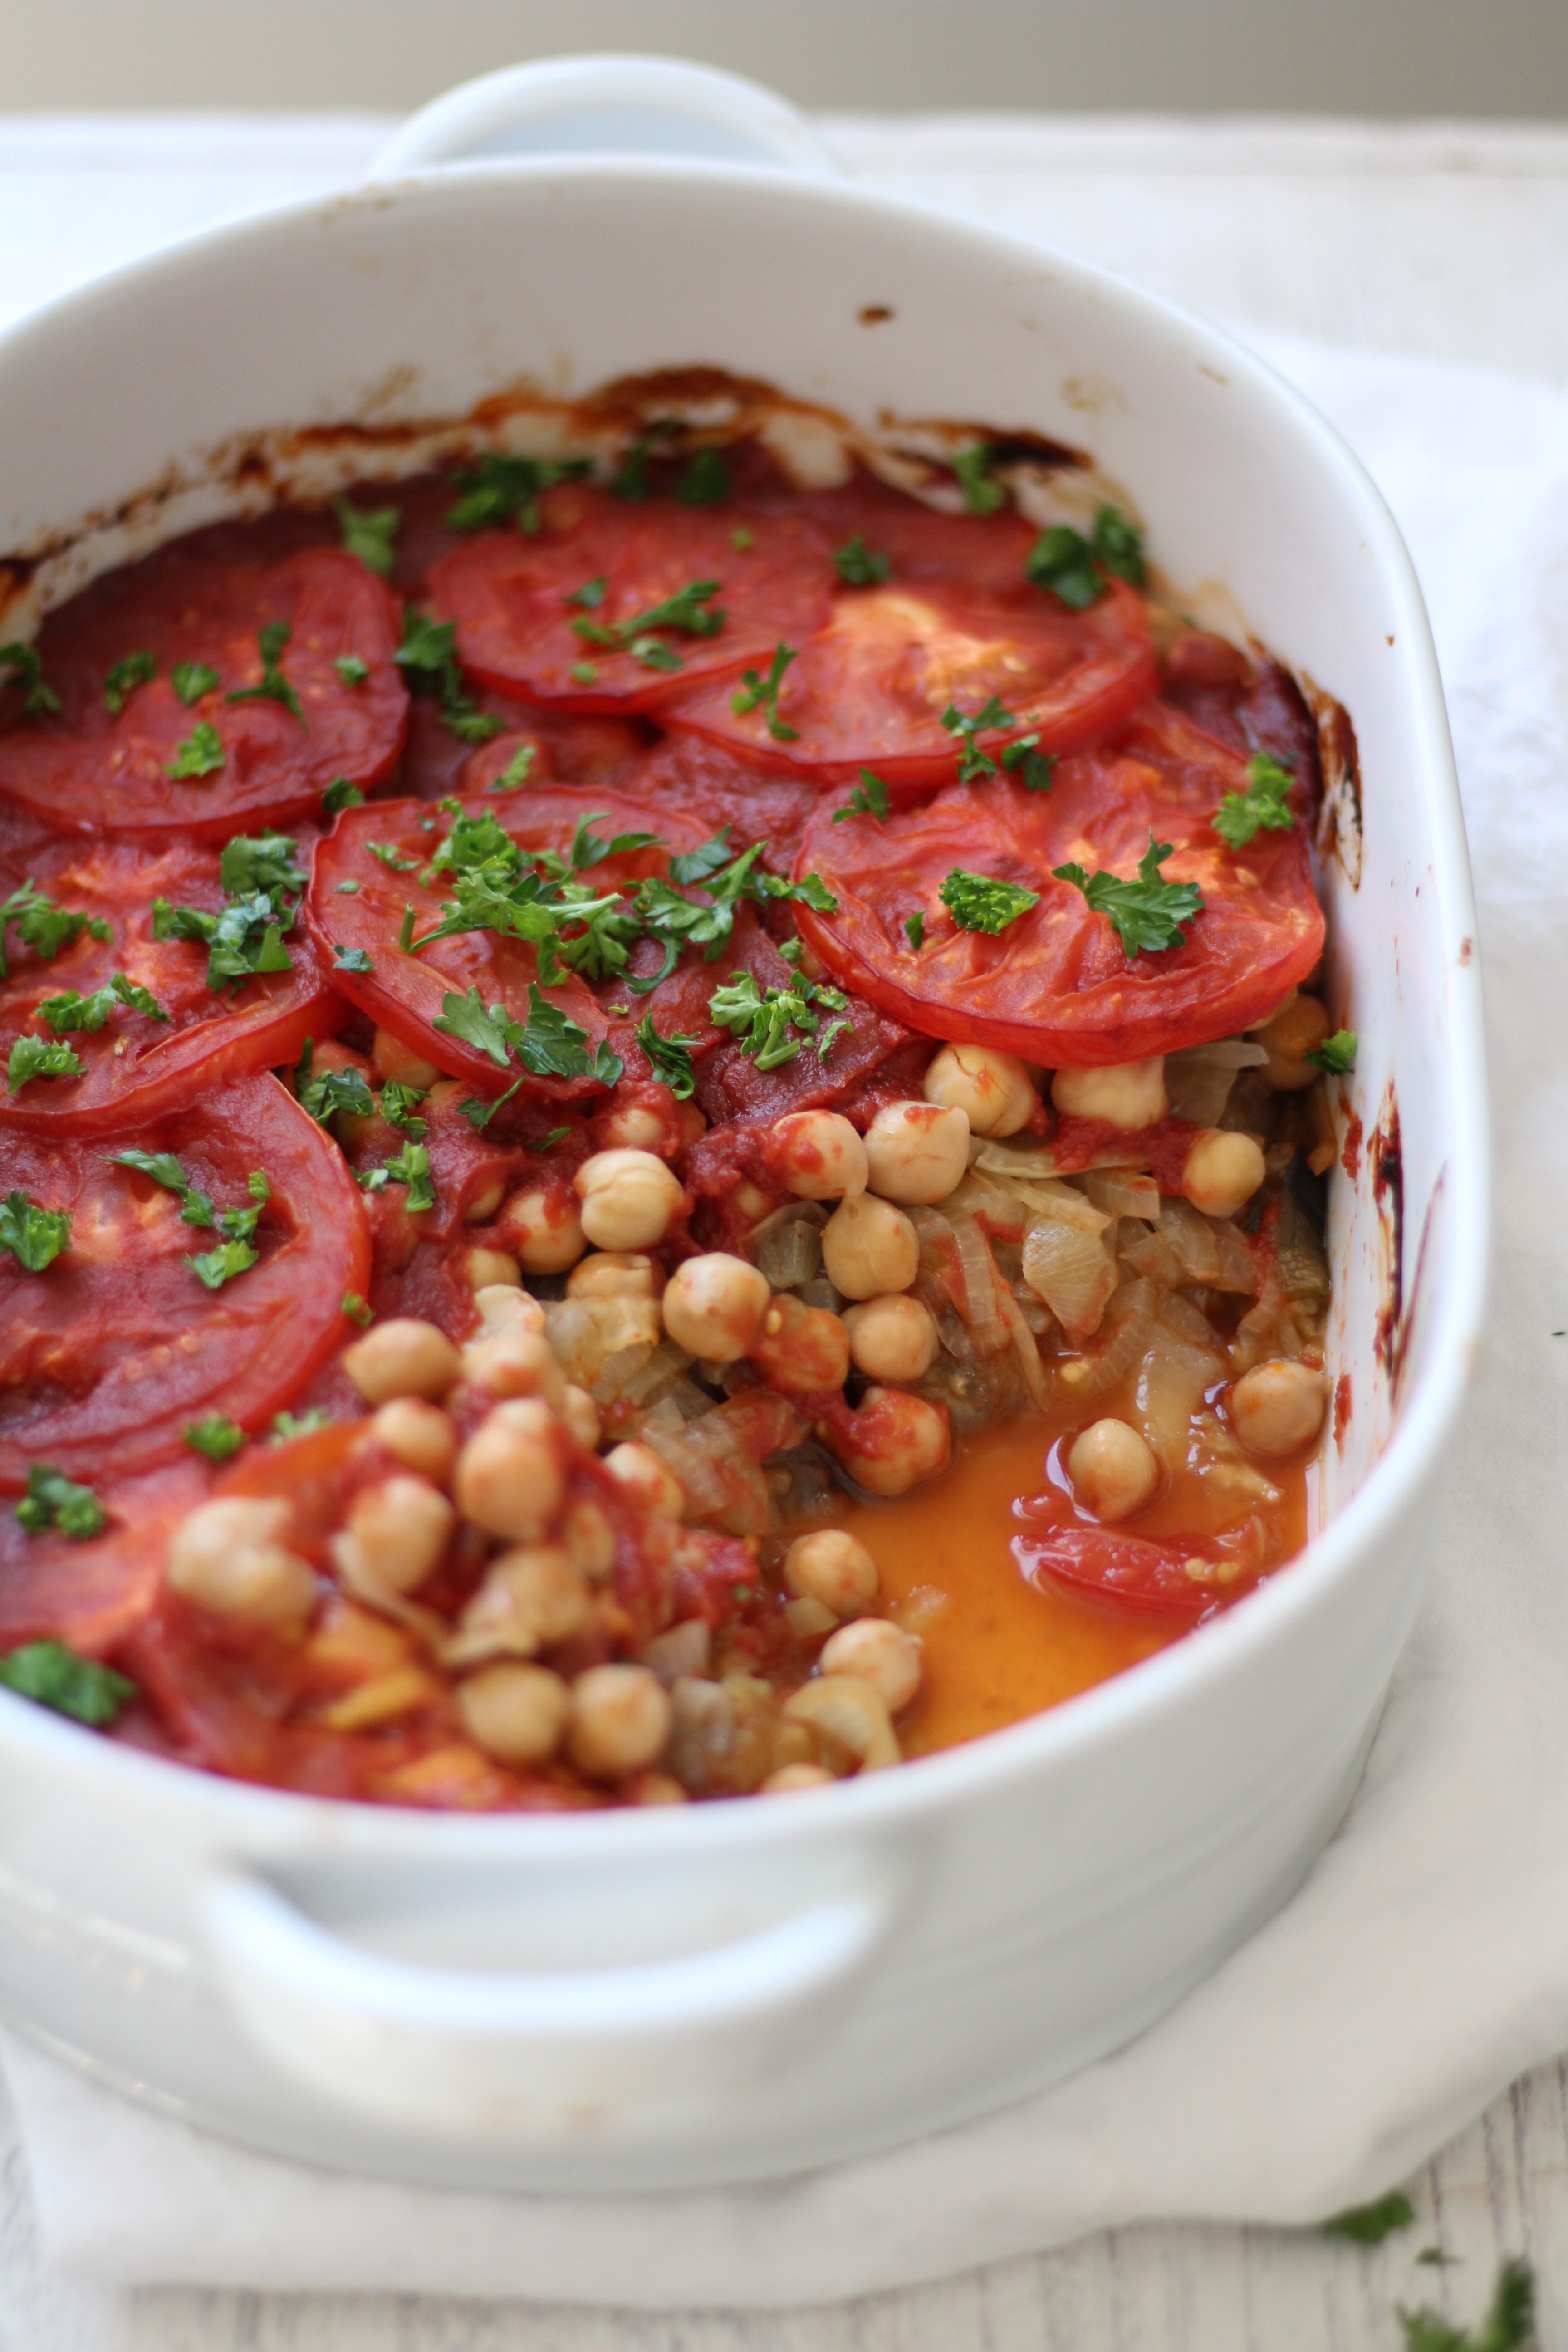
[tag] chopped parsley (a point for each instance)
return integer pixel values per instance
(1263, 806)
(689, 609)
(195, 1208)
(869, 798)
(1062, 559)
(72, 1010)
(349, 889)
(497, 489)
(1509, 2325)
(1336, 1055)
(516, 771)
(131, 671)
(352, 668)
(218, 1437)
(972, 762)
(706, 481)
(983, 493)
(411, 1166)
(53, 1501)
(394, 863)
(324, 1093)
(55, 1676)
(34, 1236)
(192, 679)
(669, 1057)
(39, 700)
(480, 1114)
(979, 902)
(583, 672)
(272, 686)
(548, 1142)
(369, 533)
(773, 1025)
(1148, 912)
(630, 480)
(40, 1057)
(741, 540)
(350, 959)
(216, 1266)
(548, 1043)
(428, 657)
(340, 794)
(356, 1309)
(859, 566)
(43, 926)
(264, 886)
(754, 691)
(1368, 2225)
(1036, 771)
(1118, 544)
(285, 1425)
(397, 1102)
(200, 754)
(915, 931)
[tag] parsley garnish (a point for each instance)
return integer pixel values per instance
(1509, 2325)
(972, 762)
(499, 488)
(869, 798)
(356, 1309)
(1148, 913)
(741, 540)
(397, 1102)
(216, 1266)
(1062, 559)
(272, 686)
(1119, 545)
(133, 670)
(217, 1436)
(53, 1501)
(285, 1425)
(192, 679)
(40, 1057)
(201, 753)
(915, 929)
(978, 902)
(630, 480)
(548, 1043)
(34, 1236)
(670, 1056)
(755, 688)
(71, 1011)
(352, 668)
(350, 959)
(411, 1166)
(43, 926)
(56, 1677)
(983, 493)
(762, 1020)
(516, 770)
(480, 1114)
(39, 700)
(688, 609)
(390, 858)
(428, 655)
(585, 673)
(1262, 806)
(330, 1091)
(369, 533)
(196, 1208)
(1036, 771)
(1368, 2225)
(1336, 1055)
(340, 794)
(263, 885)
(859, 566)
(706, 481)
(548, 1142)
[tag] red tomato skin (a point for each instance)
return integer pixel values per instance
(92, 1595)
(90, 769)
(108, 1355)
(138, 1068)
(1057, 986)
(1130, 1576)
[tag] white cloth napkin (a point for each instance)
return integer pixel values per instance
(1425, 1963)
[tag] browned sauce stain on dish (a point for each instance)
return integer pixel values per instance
(1467, 952)
(1339, 821)
(1350, 1150)
(875, 314)
(1388, 1190)
(1341, 1408)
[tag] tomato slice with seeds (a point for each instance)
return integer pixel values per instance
(870, 689)
(605, 563)
(112, 1350)
(92, 767)
(138, 1067)
(1057, 985)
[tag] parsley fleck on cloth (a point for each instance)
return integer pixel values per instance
(1425, 1963)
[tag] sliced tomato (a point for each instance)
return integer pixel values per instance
(1130, 1575)
(1057, 986)
(92, 767)
(404, 992)
(109, 1353)
(871, 688)
(92, 1595)
(717, 784)
(138, 1067)
(604, 562)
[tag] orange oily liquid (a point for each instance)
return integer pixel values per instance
(1001, 1648)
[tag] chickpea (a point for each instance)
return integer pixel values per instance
(620, 1720)
(402, 1358)
(1129, 1095)
(391, 1059)
(650, 1125)
(421, 1435)
(502, 1308)
(1222, 1171)
(895, 1441)
(917, 1151)
(491, 1269)
(851, 1711)
(1296, 1029)
(656, 1788)
(993, 1090)
(617, 1274)
(834, 1569)
(512, 1363)
(396, 1535)
(1114, 1470)
(531, 1598)
(484, 1203)
(1278, 1407)
(581, 1415)
(229, 1556)
(630, 1199)
(515, 1713)
(509, 1477)
(647, 1478)
(893, 1338)
(796, 1776)
(541, 1224)
(714, 1305)
(589, 1539)
(817, 1156)
(868, 1246)
(800, 1349)
(750, 1200)
(880, 1654)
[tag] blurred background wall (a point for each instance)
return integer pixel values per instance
(1388, 57)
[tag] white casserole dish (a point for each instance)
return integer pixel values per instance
(689, 1995)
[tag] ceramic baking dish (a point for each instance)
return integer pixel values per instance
(706, 1993)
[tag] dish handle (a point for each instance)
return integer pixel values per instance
(613, 105)
(613, 2053)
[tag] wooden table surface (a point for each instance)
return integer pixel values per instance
(1447, 241)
